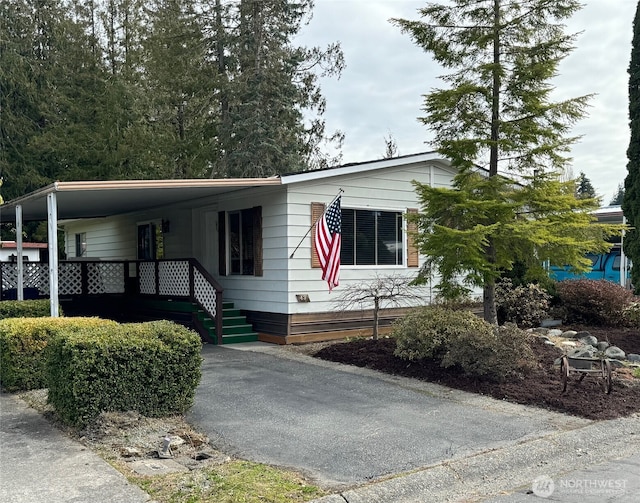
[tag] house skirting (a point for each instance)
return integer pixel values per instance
(315, 327)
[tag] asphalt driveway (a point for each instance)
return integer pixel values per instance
(344, 426)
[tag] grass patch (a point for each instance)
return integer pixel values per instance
(636, 373)
(238, 481)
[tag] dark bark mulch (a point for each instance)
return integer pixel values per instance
(541, 387)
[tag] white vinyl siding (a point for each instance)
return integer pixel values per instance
(388, 189)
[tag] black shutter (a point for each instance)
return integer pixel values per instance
(222, 243)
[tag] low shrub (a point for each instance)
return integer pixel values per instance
(462, 339)
(22, 344)
(426, 332)
(524, 305)
(25, 308)
(631, 314)
(593, 302)
(152, 368)
(494, 352)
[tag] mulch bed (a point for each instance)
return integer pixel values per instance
(541, 387)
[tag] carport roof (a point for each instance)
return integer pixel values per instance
(89, 199)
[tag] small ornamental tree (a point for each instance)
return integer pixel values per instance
(377, 293)
(507, 139)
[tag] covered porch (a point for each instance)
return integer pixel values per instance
(127, 288)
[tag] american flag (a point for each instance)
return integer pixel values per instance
(327, 242)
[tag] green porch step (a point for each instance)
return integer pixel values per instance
(235, 328)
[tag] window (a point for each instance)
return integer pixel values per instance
(241, 243)
(81, 245)
(371, 237)
(616, 262)
(150, 241)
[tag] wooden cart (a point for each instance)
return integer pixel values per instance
(599, 368)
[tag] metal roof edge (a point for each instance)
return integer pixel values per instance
(363, 167)
(166, 184)
(43, 191)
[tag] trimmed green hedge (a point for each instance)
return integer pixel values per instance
(25, 309)
(153, 368)
(22, 344)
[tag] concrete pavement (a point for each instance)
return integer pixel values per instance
(40, 464)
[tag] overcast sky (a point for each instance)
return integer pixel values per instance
(380, 91)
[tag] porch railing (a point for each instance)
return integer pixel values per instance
(164, 278)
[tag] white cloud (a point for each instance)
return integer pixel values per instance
(380, 91)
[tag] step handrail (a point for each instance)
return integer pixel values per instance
(195, 265)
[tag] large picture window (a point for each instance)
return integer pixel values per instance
(371, 237)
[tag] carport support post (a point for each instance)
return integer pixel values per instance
(52, 219)
(19, 263)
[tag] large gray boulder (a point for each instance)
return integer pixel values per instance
(615, 352)
(589, 340)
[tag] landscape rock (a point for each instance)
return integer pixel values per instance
(632, 357)
(582, 333)
(554, 332)
(589, 340)
(602, 345)
(569, 334)
(130, 452)
(615, 352)
(585, 352)
(568, 343)
(153, 467)
(540, 330)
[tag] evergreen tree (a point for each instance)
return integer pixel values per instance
(584, 189)
(271, 83)
(497, 113)
(618, 196)
(631, 201)
(21, 102)
(179, 91)
(113, 89)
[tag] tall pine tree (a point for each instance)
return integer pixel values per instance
(497, 112)
(631, 200)
(584, 188)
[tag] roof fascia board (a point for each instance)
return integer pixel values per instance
(364, 167)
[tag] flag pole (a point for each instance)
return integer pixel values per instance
(314, 223)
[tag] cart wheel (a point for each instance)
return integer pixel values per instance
(606, 376)
(564, 372)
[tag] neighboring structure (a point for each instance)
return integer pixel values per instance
(611, 266)
(244, 233)
(31, 252)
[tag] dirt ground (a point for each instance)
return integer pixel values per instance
(541, 387)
